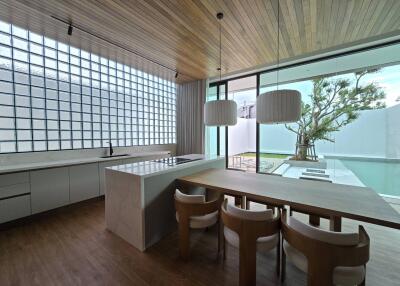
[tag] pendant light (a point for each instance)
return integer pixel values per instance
(278, 106)
(220, 112)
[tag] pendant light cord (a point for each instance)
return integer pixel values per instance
(277, 65)
(220, 50)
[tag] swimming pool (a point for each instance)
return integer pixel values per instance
(382, 176)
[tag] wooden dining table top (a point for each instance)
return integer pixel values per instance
(353, 202)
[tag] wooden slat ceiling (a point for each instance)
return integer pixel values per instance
(183, 34)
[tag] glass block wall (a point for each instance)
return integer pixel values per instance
(57, 97)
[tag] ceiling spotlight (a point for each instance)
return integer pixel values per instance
(70, 28)
(176, 75)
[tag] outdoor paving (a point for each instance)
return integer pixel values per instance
(248, 164)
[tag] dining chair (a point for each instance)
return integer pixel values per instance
(328, 258)
(194, 212)
(250, 231)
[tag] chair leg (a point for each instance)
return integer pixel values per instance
(219, 235)
(247, 263)
(223, 247)
(363, 282)
(184, 239)
(283, 262)
(319, 274)
(278, 255)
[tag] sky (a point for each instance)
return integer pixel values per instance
(387, 78)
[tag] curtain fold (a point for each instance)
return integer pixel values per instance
(190, 117)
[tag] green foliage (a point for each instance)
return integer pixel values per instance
(334, 104)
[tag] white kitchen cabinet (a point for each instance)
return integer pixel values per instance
(84, 182)
(15, 199)
(14, 178)
(49, 189)
(14, 208)
(14, 190)
(14, 184)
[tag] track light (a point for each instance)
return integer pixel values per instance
(176, 75)
(70, 28)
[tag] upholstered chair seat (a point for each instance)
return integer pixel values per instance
(202, 221)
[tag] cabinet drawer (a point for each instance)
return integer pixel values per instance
(14, 178)
(14, 190)
(14, 208)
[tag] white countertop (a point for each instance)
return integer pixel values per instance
(70, 162)
(149, 168)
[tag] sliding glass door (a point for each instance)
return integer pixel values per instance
(348, 132)
(241, 137)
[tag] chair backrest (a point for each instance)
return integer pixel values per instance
(250, 224)
(249, 214)
(185, 198)
(325, 250)
(195, 205)
(336, 238)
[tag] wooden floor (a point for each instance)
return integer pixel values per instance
(71, 246)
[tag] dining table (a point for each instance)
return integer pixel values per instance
(315, 198)
(324, 199)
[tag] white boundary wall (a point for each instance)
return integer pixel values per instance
(375, 134)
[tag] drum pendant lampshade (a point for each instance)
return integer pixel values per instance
(278, 106)
(220, 113)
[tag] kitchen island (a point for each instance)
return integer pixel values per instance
(139, 197)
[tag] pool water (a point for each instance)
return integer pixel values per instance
(382, 176)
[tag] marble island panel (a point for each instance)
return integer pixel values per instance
(139, 197)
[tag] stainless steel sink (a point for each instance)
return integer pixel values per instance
(116, 155)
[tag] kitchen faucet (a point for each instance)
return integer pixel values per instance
(111, 148)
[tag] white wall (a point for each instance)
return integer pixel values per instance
(393, 132)
(275, 138)
(238, 137)
(376, 133)
(366, 136)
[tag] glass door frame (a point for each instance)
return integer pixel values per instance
(282, 67)
(222, 96)
(225, 96)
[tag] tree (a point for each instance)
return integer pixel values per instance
(334, 104)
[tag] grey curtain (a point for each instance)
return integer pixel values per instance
(190, 122)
